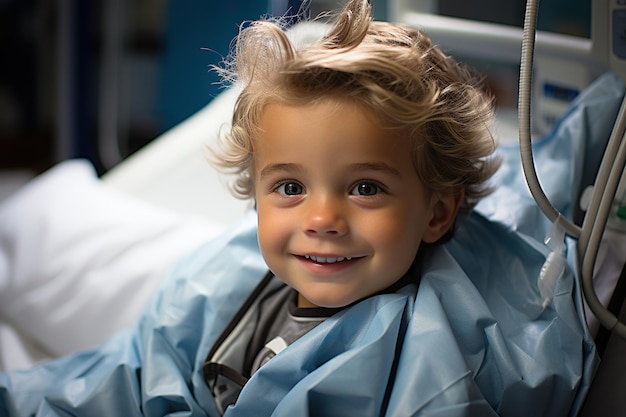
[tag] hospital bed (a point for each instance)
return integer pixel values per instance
(81, 256)
(171, 187)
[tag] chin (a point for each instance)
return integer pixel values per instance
(327, 302)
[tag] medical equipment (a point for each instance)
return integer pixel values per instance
(554, 266)
(603, 198)
(564, 66)
(584, 59)
(610, 172)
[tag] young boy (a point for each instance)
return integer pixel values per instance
(358, 150)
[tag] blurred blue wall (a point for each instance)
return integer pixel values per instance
(198, 35)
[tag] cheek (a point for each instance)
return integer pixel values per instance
(273, 232)
(266, 226)
(398, 236)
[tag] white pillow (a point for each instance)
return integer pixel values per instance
(80, 259)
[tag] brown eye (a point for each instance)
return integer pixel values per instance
(290, 188)
(365, 189)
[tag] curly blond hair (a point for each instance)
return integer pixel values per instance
(394, 70)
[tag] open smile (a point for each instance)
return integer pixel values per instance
(327, 264)
(326, 259)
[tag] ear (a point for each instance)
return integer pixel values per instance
(444, 208)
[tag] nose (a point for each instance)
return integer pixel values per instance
(325, 217)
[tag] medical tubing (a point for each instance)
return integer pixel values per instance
(608, 181)
(606, 184)
(590, 252)
(599, 189)
(523, 109)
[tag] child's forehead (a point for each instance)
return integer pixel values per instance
(327, 130)
(346, 114)
(326, 105)
(341, 116)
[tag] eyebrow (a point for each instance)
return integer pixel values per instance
(359, 166)
(282, 167)
(376, 166)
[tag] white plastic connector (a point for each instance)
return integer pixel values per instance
(554, 265)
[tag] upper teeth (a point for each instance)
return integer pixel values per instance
(322, 259)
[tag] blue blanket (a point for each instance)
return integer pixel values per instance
(473, 340)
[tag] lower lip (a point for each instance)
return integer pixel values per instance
(326, 268)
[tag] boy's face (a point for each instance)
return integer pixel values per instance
(341, 209)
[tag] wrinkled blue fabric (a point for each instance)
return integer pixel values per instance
(474, 340)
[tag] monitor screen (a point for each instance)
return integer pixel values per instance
(555, 16)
